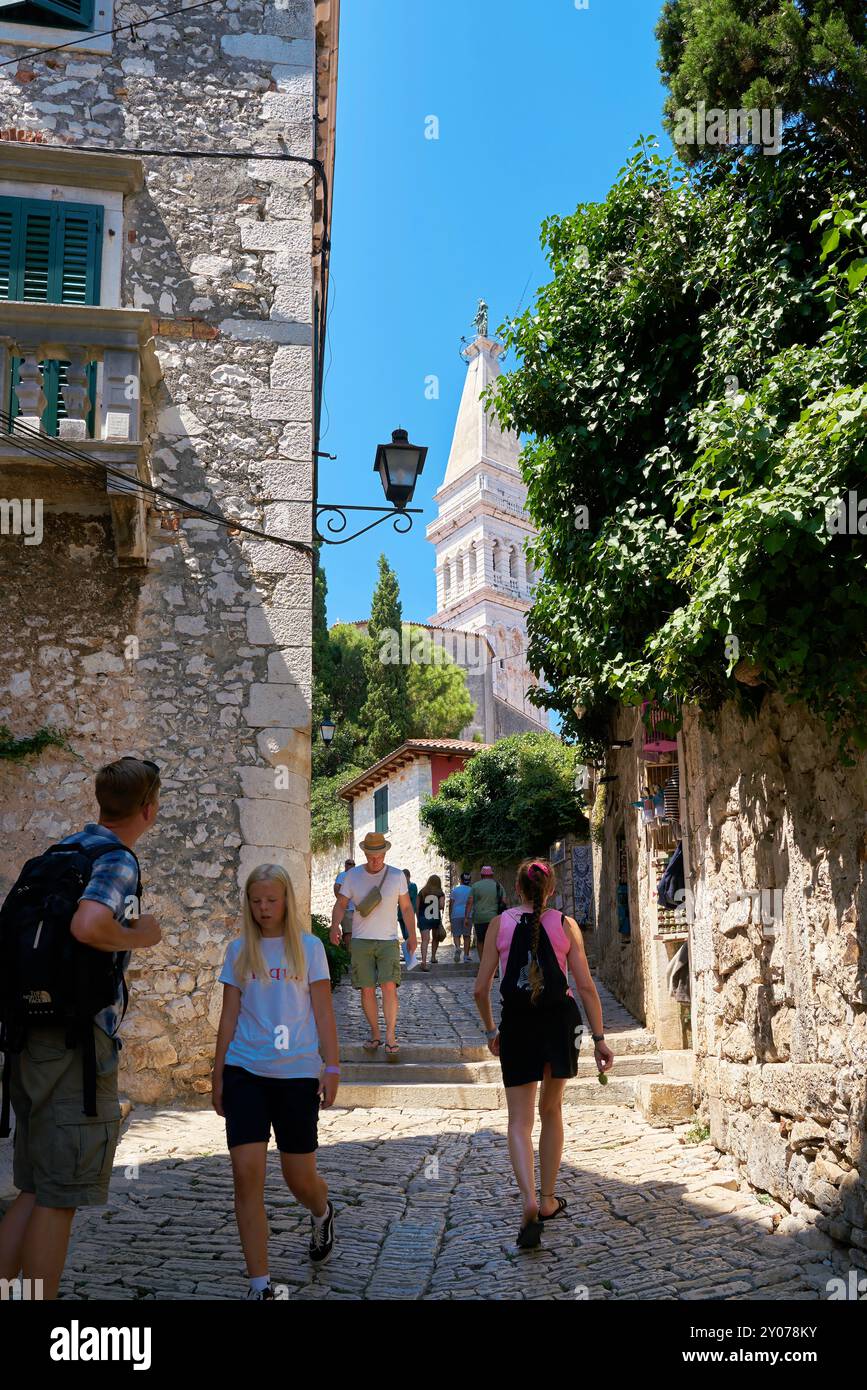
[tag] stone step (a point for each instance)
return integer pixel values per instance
(413, 1073)
(475, 1096)
(447, 969)
(634, 1043)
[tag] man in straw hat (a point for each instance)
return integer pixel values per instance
(375, 891)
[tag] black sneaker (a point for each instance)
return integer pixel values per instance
(321, 1236)
(259, 1294)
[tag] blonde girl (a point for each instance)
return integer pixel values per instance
(276, 1026)
(539, 1033)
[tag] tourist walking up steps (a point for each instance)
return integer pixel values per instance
(277, 1017)
(486, 900)
(376, 891)
(429, 912)
(346, 924)
(461, 928)
(413, 897)
(540, 1030)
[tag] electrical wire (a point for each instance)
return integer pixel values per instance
(60, 453)
(104, 33)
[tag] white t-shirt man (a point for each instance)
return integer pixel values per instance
(276, 1031)
(381, 924)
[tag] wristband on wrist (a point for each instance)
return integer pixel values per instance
(598, 1037)
(491, 1033)
(334, 1070)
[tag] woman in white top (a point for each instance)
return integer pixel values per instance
(277, 1019)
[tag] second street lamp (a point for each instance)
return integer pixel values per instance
(326, 729)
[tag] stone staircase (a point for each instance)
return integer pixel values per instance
(464, 1076)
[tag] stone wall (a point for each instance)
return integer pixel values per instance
(780, 1004)
(778, 1015)
(201, 660)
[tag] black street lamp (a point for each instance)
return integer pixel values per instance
(326, 729)
(398, 465)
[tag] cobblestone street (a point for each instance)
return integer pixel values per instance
(426, 1206)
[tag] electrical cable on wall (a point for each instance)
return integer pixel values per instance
(60, 453)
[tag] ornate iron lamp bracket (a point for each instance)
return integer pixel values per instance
(337, 523)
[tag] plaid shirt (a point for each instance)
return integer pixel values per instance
(114, 882)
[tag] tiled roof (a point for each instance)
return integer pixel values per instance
(408, 752)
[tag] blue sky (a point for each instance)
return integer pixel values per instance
(538, 104)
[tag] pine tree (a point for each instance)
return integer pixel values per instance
(385, 716)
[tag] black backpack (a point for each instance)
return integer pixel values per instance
(670, 891)
(47, 977)
(515, 985)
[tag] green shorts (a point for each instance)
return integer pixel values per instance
(61, 1154)
(374, 962)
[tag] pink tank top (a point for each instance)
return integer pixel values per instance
(552, 921)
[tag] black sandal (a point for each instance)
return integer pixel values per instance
(561, 1207)
(530, 1235)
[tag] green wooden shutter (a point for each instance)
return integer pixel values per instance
(380, 809)
(8, 234)
(77, 254)
(54, 256)
(74, 14)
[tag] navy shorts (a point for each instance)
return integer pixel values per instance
(254, 1104)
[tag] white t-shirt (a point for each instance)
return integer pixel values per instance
(276, 1030)
(381, 924)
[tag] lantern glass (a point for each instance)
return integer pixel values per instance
(326, 729)
(399, 465)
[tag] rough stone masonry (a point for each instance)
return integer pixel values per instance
(200, 659)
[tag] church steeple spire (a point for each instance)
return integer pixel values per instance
(478, 438)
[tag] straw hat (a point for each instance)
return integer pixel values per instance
(374, 842)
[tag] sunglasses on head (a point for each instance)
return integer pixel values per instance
(145, 762)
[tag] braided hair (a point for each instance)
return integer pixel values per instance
(535, 880)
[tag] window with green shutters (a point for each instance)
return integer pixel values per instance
(50, 253)
(380, 809)
(55, 14)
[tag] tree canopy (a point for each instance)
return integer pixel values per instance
(512, 799)
(805, 57)
(692, 376)
(436, 702)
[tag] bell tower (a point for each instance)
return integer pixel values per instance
(484, 580)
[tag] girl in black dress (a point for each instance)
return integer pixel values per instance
(540, 1031)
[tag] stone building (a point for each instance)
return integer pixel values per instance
(772, 1043)
(388, 797)
(175, 305)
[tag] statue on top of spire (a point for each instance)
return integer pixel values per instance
(481, 319)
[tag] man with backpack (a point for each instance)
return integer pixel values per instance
(486, 900)
(66, 930)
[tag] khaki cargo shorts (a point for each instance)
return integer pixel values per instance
(61, 1154)
(374, 963)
